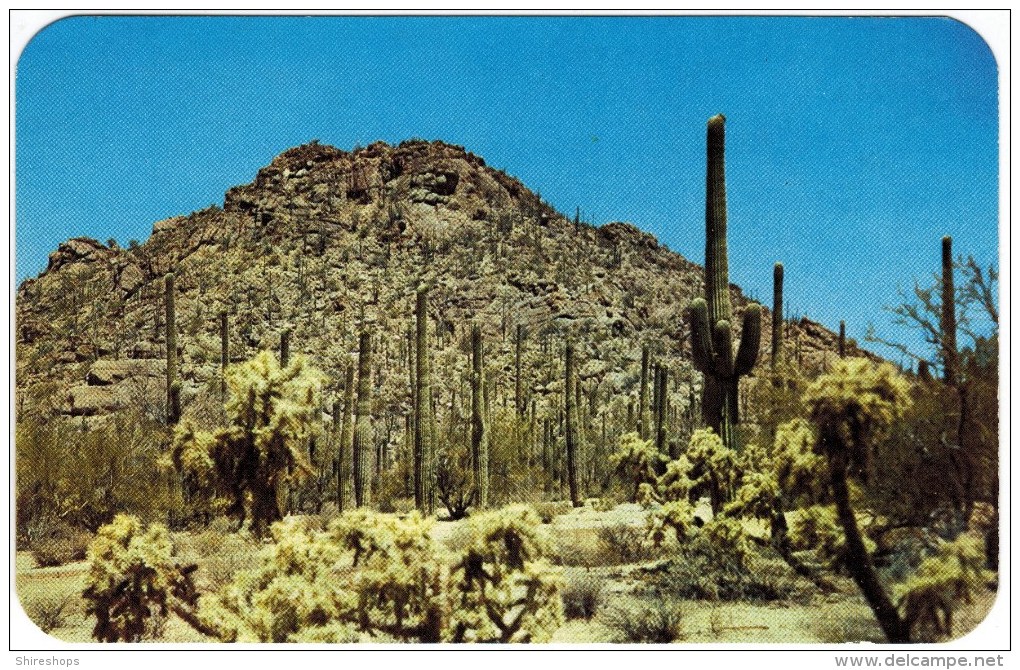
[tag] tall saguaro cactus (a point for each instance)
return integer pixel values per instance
(344, 447)
(571, 424)
(948, 321)
(285, 347)
(363, 424)
(173, 387)
(224, 351)
(519, 400)
(711, 335)
(479, 434)
(842, 339)
(643, 420)
(777, 314)
(424, 445)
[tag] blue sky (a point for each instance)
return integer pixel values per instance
(853, 144)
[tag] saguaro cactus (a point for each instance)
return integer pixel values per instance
(519, 400)
(224, 351)
(643, 395)
(284, 347)
(711, 336)
(777, 314)
(479, 435)
(344, 448)
(173, 389)
(948, 321)
(842, 339)
(424, 445)
(661, 379)
(571, 425)
(363, 424)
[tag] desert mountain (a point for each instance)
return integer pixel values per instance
(326, 242)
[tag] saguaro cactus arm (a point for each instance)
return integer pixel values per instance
(750, 341)
(701, 336)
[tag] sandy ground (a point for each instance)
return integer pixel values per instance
(834, 618)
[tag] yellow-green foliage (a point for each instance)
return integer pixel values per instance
(799, 471)
(715, 466)
(855, 404)
(757, 497)
(503, 588)
(369, 573)
(396, 575)
(818, 528)
(636, 461)
(728, 535)
(675, 515)
(132, 576)
(952, 575)
(378, 577)
(676, 483)
(270, 415)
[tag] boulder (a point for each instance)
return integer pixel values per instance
(104, 373)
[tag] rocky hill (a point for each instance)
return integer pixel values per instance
(325, 242)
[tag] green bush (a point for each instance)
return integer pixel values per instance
(60, 543)
(583, 595)
(645, 620)
(719, 565)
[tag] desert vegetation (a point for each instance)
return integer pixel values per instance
(392, 396)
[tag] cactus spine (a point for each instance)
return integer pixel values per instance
(777, 314)
(173, 387)
(479, 435)
(571, 425)
(424, 446)
(842, 339)
(344, 448)
(711, 336)
(363, 424)
(948, 321)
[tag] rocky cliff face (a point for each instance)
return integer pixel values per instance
(326, 242)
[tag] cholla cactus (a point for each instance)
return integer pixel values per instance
(714, 466)
(503, 588)
(636, 461)
(943, 581)
(132, 577)
(270, 415)
(392, 586)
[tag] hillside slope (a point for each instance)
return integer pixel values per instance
(325, 242)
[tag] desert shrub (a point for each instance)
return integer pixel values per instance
(50, 611)
(645, 620)
(84, 478)
(583, 595)
(952, 575)
(502, 587)
(622, 543)
(547, 511)
(719, 563)
(60, 543)
(132, 579)
(220, 553)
